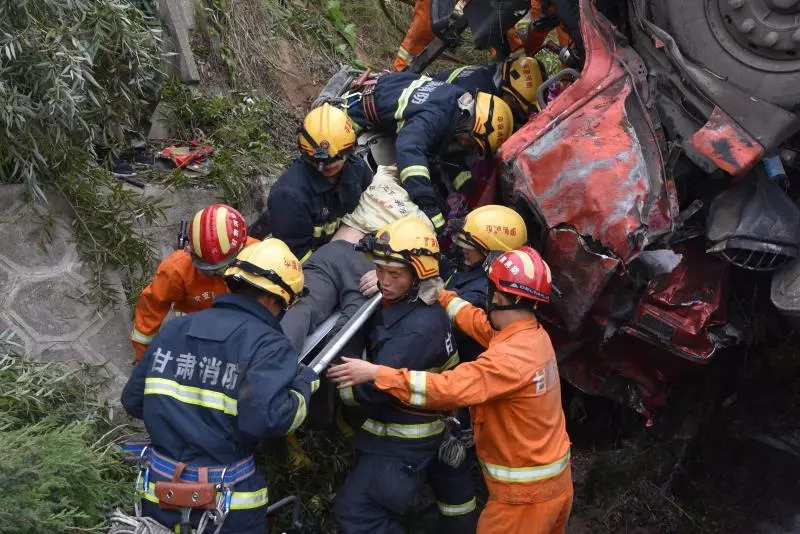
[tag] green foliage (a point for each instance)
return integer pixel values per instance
(57, 450)
(105, 226)
(240, 129)
(73, 75)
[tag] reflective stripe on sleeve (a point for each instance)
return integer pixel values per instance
(457, 509)
(414, 170)
(404, 54)
(138, 337)
(454, 307)
(461, 178)
(348, 397)
(437, 220)
(417, 386)
(300, 413)
(455, 73)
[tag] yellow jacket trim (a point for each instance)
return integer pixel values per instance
(305, 256)
(449, 364)
(437, 220)
(327, 229)
(191, 395)
(300, 414)
(527, 474)
(461, 178)
(396, 430)
(138, 337)
(348, 397)
(314, 386)
(240, 500)
(457, 509)
(402, 102)
(455, 73)
(414, 170)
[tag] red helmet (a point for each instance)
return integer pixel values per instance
(522, 272)
(216, 235)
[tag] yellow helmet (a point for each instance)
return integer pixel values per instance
(522, 76)
(271, 267)
(493, 122)
(493, 227)
(326, 134)
(409, 241)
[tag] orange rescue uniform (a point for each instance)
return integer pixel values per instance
(177, 283)
(514, 397)
(420, 34)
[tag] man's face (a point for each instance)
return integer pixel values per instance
(463, 144)
(472, 257)
(394, 282)
(333, 170)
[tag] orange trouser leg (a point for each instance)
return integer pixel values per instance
(418, 36)
(548, 517)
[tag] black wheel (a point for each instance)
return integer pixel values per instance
(753, 43)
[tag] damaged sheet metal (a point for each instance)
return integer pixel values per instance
(582, 283)
(684, 310)
(725, 143)
(592, 161)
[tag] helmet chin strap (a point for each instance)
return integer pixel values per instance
(518, 304)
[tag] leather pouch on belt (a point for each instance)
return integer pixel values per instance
(179, 494)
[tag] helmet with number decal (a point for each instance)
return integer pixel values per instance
(408, 241)
(271, 267)
(216, 235)
(492, 227)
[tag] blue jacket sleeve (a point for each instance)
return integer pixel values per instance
(133, 393)
(274, 395)
(289, 222)
(421, 136)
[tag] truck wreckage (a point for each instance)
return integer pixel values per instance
(657, 185)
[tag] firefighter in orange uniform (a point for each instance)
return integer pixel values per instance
(514, 396)
(190, 279)
(420, 34)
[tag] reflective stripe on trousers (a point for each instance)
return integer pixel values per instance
(240, 500)
(457, 509)
(396, 430)
(526, 474)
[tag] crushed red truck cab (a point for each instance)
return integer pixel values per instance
(615, 181)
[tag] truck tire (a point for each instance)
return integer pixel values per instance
(753, 43)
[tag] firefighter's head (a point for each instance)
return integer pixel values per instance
(518, 280)
(486, 126)
(267, 272)
(522, 76)
(216, 235)
(326, 139)
(487, 229)
(405, 253)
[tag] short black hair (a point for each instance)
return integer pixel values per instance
(244, 289)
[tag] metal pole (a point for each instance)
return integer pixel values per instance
(331, 350)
